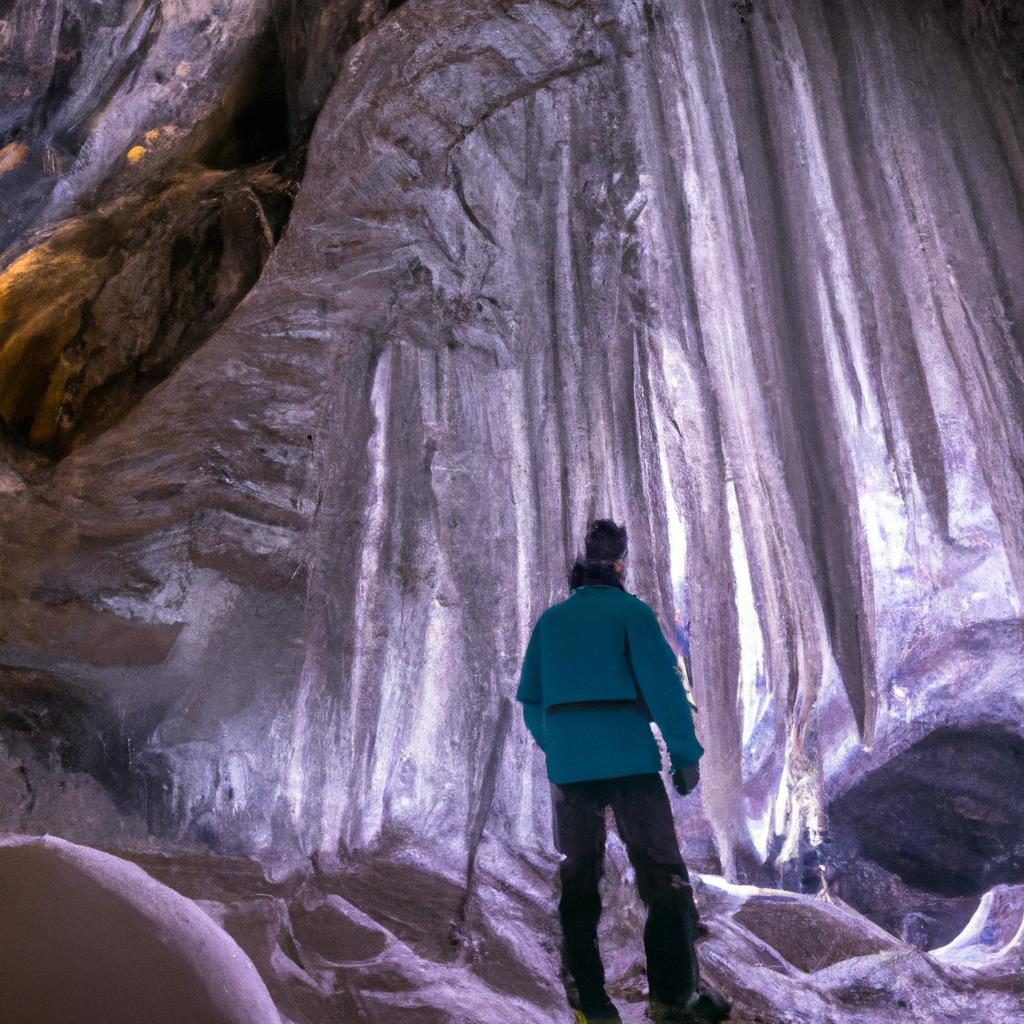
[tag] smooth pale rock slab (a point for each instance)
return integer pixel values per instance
(811, 935)
(87, 936)
(326, 927)
(993, 941)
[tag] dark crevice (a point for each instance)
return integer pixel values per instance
(146, 285)
(996, 24)
(466, 208)
(61, 733)
(946, 815)
(925, 835)
(256, 123)
(65, 64)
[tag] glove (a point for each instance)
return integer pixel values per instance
(685, 779)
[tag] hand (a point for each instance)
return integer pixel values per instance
(685, 779)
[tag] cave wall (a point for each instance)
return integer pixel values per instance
(742, 275)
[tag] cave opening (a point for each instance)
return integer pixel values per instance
(920, 839)
(257, 121)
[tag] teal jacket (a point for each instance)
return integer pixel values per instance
(597, 671)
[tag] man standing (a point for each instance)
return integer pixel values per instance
(597, 671)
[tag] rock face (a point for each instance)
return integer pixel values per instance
(325, 329)
(88, 936)
(148, 161)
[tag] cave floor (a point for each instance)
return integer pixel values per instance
(386, 939)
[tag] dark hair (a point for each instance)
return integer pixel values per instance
(606, 541)
(605, 544)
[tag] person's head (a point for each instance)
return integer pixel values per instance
(606, 542)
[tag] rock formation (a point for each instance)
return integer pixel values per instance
(325, 329)
(88, 936)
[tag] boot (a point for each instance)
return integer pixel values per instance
(701, 1008)
(603, 1012)
(579, 1017)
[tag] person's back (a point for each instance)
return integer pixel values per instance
(607, 673)
(596, 672)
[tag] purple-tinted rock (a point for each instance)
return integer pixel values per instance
(744, 276)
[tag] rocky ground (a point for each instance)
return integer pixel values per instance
(390, 938)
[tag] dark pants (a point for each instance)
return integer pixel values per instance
(643, 817)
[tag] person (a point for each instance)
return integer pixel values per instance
(597, 670)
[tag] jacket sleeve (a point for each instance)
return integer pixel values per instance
(530, 693)
(657, 676)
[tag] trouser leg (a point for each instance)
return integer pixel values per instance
(579, 832)
(643, 816)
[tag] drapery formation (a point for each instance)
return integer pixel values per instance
(743, 276)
